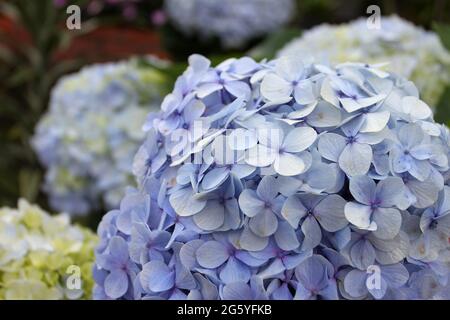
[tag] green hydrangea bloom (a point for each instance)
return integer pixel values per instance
(43, 256)
(411, 52)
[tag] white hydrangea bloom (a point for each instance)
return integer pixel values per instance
(233, 21)
(411, 51)
(88, 138)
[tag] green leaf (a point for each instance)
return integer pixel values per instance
(274, 42)
(443, 30)
(29, 181)
(442, 114)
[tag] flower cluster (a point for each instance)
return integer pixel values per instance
(283, 180)
(234, 22)
(410, 51)
(43, 256)
(91, 132)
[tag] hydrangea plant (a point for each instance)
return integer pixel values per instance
(88, 138)
(283, 179)
(234, 22)
(410, 51)
(44, 256)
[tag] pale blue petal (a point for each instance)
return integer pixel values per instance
(273, 269)
(389, 190)
(312, 232)
(206, 89)
(238, 88)
(211, 254)
(184, 203)
(324, 115)
(116, 284)
(330, 213)
(388, 222)
(288, 164)
(234, 271)
(250, 203)
(237, 291)
(355, 159)
(188, 253)
(264, 224)
(375, 121)
(260, 156)
(285, 237)
(157, 276)
(303, 92)
(275, 88)
(267, 188)
(251, 242)
(312, 272)
(193, 110)
(359, 215)
(363, 189)
(355, 283)
(215, 177)
(211, 217)
(293, 210)
(395, 275)
(331, 146)
(299, 139)
(362, 254)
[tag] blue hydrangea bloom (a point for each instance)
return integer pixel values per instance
(297, 181)
(91, 132)
(234, 22)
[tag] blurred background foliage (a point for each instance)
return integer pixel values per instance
(36, 49)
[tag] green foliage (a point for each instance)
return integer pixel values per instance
(28, 72)
(268, 48)
(443, 107)
(443, 30)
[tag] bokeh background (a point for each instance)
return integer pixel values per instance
(37, 49)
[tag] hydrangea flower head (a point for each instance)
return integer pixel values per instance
(43, 256)
(88, 138)
(234, 22)
(410, 51)
(297, 181)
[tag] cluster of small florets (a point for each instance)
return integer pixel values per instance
(411, 52)
(43, 256)
(283, 180)
(234, 22)
(88, 138)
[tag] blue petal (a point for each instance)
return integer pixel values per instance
(264, 224)
(184, 203)
(389, 190)
(331, 146)
(235, 271)
(116, 284)
(211, 217)
(212, 254)
(237, 291)
(157, 276)
(355, 159)
(312, 232)
(363, 189)
(250, 203)
(285, 237)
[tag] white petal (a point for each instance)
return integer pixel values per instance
(288, 164)
(273, 87)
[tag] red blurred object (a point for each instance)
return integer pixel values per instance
(13, 35)
(106, 43)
